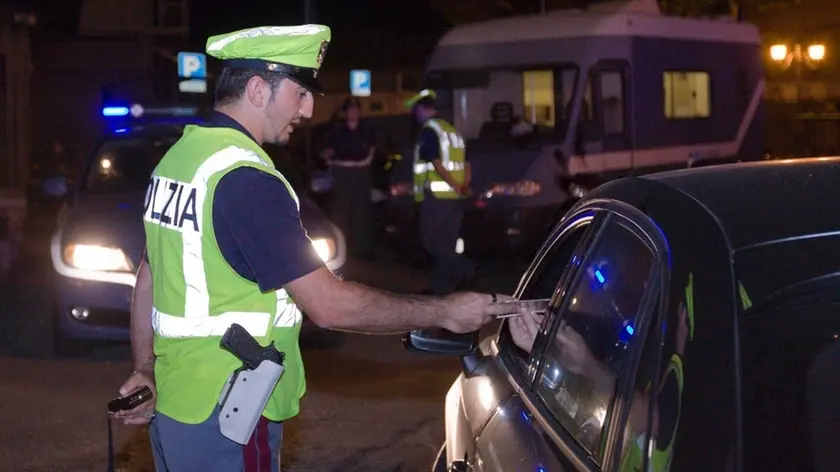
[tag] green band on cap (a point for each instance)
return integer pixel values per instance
(425, 93)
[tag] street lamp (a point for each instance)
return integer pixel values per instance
(812, 56)
(816, 52)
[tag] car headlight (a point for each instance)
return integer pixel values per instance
(325, 248)
(95, 257)
(522, 188)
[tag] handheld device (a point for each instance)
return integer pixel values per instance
(130, 401)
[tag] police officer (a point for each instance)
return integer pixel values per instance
(441, 185)
(225, 245)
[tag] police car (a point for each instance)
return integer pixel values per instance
(99, 238)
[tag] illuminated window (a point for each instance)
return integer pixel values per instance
(687, 94)
(538, 96)
(612, 96)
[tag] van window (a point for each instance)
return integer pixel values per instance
(505, 109)
(687, 94)
(612, 97)
(538, 97)
(587, 106)
(593, 328)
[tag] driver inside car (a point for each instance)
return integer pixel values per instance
(572, 352)
(589, 345)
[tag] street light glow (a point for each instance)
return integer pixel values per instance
(816, 52)
(778, 52)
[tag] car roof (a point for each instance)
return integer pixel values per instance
(759, 203)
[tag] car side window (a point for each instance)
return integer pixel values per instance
(592, 329)
(545, 279)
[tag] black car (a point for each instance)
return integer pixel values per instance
(693, 325)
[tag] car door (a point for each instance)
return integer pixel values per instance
(604, 272)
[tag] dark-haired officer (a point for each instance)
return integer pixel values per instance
(225, 245)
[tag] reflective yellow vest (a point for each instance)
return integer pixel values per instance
(452, 156)
(196, 294)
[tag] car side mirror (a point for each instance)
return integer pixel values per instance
(55, 186)
(441, 341)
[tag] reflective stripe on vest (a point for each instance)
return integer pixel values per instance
(171, 326)
(428, 167)
(451, 146)
(197, 320)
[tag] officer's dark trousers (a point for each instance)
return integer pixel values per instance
(440, 225)
(351, 206)
(180, 447)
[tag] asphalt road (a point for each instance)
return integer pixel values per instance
(370, 405)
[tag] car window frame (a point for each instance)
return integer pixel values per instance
(654, 303)
(559, 236)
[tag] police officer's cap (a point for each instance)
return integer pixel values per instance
(426, 98)
(297, 52)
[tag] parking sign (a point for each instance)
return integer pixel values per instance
(192, 65)
(360, 83)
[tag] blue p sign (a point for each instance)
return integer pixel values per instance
(192, 65)
(360, 83)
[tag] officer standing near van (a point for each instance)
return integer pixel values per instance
(441, 186)
(225, 245)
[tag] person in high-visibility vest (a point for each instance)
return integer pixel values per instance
(225, 245)
(441, 186)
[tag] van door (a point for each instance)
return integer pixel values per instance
(605, 128)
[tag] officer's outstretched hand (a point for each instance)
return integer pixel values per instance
(467, 311)
(143, 413)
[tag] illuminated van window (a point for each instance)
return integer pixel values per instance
(538, 96)
(687, 94)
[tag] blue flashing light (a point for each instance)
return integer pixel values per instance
(599, 276)
(121, 130)
(115, 111)
(524, 416)
(629, 329)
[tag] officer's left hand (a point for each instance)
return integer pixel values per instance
(143, 413)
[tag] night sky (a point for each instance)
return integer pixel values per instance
(60, 17)
(358, 25)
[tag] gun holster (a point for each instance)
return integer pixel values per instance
(244, 397)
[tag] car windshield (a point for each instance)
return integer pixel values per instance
(124, 165)
(497, 108)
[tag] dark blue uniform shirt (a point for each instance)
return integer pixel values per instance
(429, 145)
(257, 225)
(350, 144)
